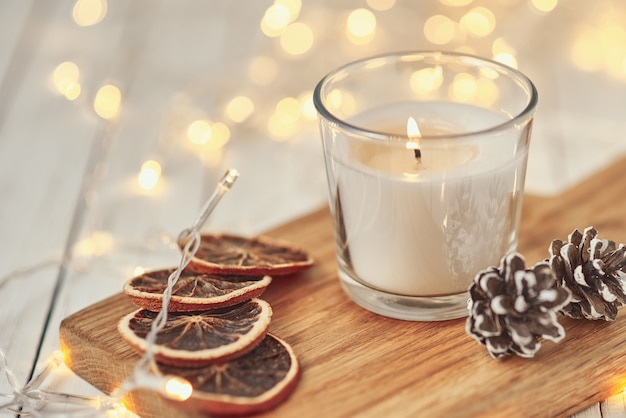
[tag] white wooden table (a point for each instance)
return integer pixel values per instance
(74, 223)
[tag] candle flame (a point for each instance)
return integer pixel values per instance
(413, 132)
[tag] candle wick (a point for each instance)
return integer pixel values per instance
(418, 154)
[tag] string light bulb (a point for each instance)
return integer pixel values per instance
(138, 270)
(177, 388)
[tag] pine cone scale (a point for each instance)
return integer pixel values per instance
(593, 270)
(521, 302)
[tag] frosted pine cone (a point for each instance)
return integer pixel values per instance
(512, 308)
(594, 271)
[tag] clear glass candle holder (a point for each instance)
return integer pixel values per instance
(425, 156)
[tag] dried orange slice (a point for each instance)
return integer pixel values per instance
(191, 339)
(194, 291)
(231, 254)
(256, 382)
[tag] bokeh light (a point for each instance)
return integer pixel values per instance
(220, 135)
(209, 136)
(501, 46)
(381, 5)
(66, 80)
(361, 26)
(199, 131)
(149, 175)
(544, 5)
(283, 123)
(107, 102)
(479, 21)
(439, 29)
(89, 12)
(294, 7)
(613, 38)
(297, 38)
(239, 109)
(585, 52)
(306, 104)
(506, 59)
(341, 102)
(456, 3)
(426, 80)
(464, 88)
(275, 20)
(97, 244)
(486, 91)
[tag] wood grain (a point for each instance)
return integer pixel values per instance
(356, 363)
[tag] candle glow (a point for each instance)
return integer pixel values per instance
(413, 132)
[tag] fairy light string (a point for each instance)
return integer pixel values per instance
(30, 399)
(146, 369)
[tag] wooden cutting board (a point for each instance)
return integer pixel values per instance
(356, 363)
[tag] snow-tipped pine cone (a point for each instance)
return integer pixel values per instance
(511, 308)
(594, 271)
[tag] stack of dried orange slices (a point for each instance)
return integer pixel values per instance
(216, 335)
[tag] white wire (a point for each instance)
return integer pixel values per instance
(189, 239)
(29, 399)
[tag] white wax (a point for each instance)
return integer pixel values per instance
(425, 229)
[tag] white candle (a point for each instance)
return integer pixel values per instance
(425, 228)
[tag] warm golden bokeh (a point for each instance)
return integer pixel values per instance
(426, 80)
(381, 5)
(544, 5)
(297, 38)
(89, 12)
(65, 78)
(149, 175)
(361, 26)
(439, 29)
(107, 102)
(479, 21)
(199, 131)
(239, 109)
